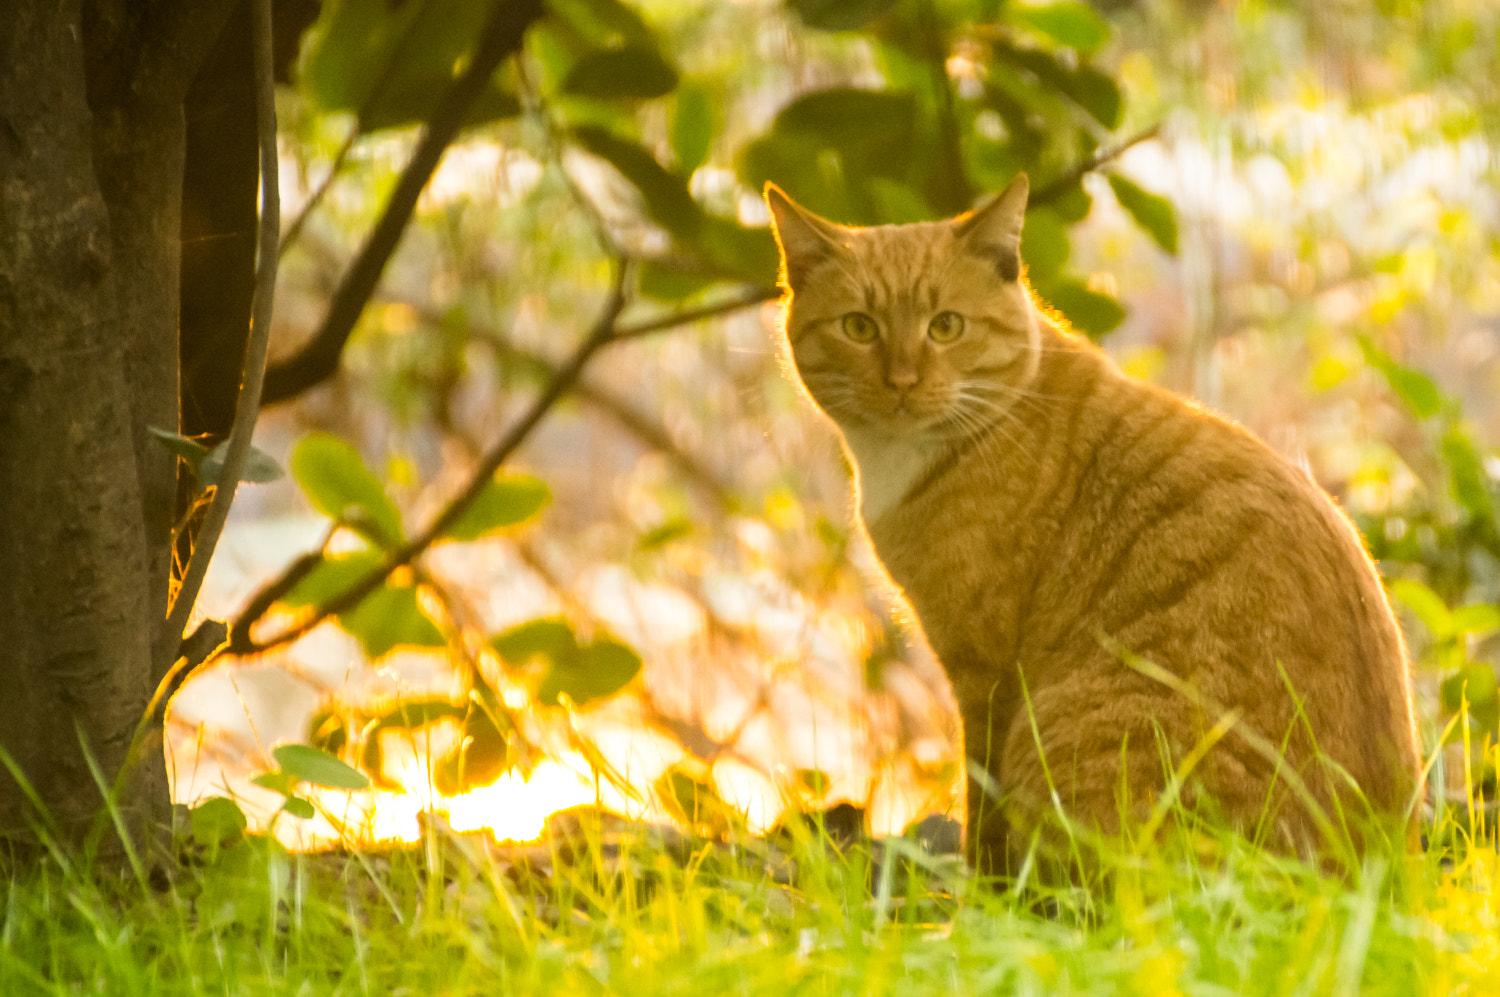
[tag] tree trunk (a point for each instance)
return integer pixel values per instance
(91, 146)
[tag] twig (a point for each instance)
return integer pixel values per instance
(600, 335)
(1057, 188)
(316, 197)
(398, 55)
(247, 405)
(318, 359)
(747, 299)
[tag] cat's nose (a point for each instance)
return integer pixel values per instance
(901, 377)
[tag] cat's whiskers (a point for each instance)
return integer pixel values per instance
(968, 413)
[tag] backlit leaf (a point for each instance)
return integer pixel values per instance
(508, 500)
(332, 577)
(300, 808)
(1473, 684)
(260, 468)
(1466, 473)
(339, 485)
(665, 194)
(392, 62)
(185, 447)
(1044, 245)
(388, 618)
(1151, 212)
(1088, 311)
(1073, 24)
(216, 821)
(309, 764)
(1477, 618)
(276, 782)
(1414, 388)
(692, 127)
(1426, 604)
(547, 637)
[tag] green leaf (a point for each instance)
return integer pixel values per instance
(666, 194)
(260, 468)
(673, 280)
(839, 15)
(1476, 618)
(584, 672)
(547, 637)
(815, 781)
(508, 500)
(339, 485)
(332, 577)
(1466, 474)
(660, 536)
(848, 116)
(603, 22)
(694, 121)
(746, 253)
(1425, 604)
(276, 782)
(631, 72)
(1075, 25)
(1090, 312)
(388, 618)
(1474, 683)
(1085, 86)
(298, 807)
(598, 671)
(1414, 388)
(216, 821)
(1150, 211)
(392, 62)
(1045, 247)
(185, 447)
(318, 767)
(483, 757)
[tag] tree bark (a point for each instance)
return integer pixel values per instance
(91, 147)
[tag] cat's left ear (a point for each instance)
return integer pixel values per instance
(994, 231)
(804, 238)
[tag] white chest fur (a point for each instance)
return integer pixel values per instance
(887, 467)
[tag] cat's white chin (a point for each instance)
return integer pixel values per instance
(888, 462)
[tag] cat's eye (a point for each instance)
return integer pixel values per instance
(945, 327)
(860, 327)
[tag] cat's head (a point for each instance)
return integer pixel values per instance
(922, 329)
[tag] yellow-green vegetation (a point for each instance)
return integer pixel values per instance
(635, 913)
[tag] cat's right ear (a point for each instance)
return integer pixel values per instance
(994, 231)
(804, 238)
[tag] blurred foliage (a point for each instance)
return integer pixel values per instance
(1307, 245)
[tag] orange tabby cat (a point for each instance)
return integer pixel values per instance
(1049, 520)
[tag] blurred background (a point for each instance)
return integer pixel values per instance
(1285, 211)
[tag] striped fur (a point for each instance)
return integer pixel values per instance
(1043, 515)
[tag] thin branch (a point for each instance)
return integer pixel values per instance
(316, 197)
(319, 357)
(388, 73)
(599, 336)
(637, 423)
(1068, 180)
(247, 405)
(747, 299)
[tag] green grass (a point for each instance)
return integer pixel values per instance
(453, 916)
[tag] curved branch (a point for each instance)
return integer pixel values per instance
(247, 406)
(599, 336)
(319, 357)
(1057, 188)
